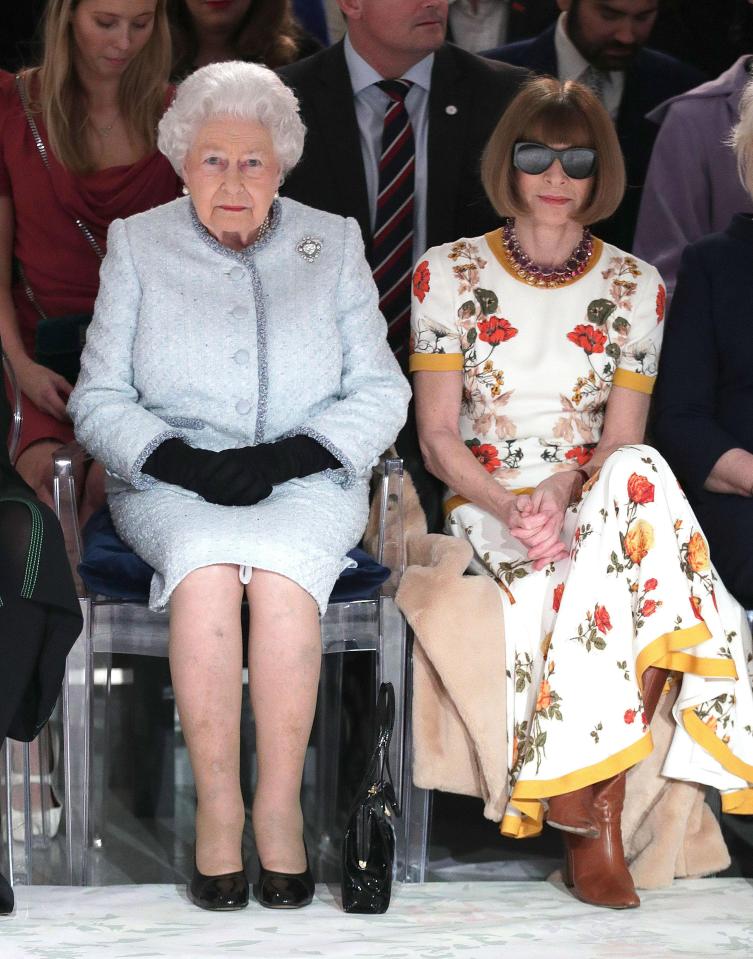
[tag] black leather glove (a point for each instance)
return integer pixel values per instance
(238, 477)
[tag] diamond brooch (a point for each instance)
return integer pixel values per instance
(309, 248)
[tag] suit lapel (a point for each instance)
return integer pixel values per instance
(449, 115)
(338, 131)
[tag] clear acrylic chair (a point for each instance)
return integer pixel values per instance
(19, 839)
(113, 626)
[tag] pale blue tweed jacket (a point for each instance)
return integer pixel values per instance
(223, 349)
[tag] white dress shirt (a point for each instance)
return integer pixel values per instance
(482, 28)
(371, 105)
(571, 65)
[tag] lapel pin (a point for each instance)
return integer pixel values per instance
(450, 109)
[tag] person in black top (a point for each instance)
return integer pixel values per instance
(703, 418)
(40, 617)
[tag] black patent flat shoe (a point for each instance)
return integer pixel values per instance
(218, 893)
(284, 890)
(7, 899)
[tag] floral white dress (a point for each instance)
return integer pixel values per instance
(638, 588)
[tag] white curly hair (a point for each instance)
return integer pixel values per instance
(246, 91)
(741, 138)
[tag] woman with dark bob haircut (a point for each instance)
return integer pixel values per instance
(534, 352)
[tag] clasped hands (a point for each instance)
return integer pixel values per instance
(238, 477)
(536, 519)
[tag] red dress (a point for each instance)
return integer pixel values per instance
(61, 267)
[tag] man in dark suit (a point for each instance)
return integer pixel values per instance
(453, 102)
(497, 21)
(602, 43)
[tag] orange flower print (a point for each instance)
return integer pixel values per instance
(602, 620)
(496, 330)
(698, 553)
(421, 278)
(588, 338)
(486, 454)
(544, 700)
(638, 541)
(559, 589)
(640, 490)
(661, 301)
(629, 716)
(650, 584)
(649, 607)
(710, 721)
(582, 454)
(514, 751)
(695, 603)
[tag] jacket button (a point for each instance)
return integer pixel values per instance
(240, 312)
(241, 357)
(236, 273)
(243, 407)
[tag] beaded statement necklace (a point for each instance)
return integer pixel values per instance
(546, 276)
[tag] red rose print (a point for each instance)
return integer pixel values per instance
(648, 608)
(589, 338)
(487, 455)
(695, 603)
(640, 490)
(495, 330)
(580, 453)
(661, 300)
(630, 716)
(421, 279)
(650, 584)
(557, 598)
(602, 620)
(644, 720)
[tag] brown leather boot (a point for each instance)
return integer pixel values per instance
(573, 812)
(653, 683)
(596, 868)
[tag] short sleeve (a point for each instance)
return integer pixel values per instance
(435, 335)
(639, 353)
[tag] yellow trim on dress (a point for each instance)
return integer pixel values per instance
(436, 362)
(629, 380)
(666, 651)
(494, 239)
(738, 803)
(706, 739)
(527, 794)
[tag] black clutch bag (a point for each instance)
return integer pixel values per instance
(59, 342)
(368, 851)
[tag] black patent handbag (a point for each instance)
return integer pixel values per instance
(368, 850)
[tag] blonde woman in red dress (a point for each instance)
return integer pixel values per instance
(77, 150)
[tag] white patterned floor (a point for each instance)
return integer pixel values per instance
(696, 919)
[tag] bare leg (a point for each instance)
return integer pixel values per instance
(94, 493)
(206, 659)
(284, 659)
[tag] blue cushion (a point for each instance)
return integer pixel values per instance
(110, 568)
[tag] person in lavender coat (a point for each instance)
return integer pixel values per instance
(692, 188)
(237, 385)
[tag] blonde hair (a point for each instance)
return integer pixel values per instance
(741, 138)
(61, 99)
(548, 111)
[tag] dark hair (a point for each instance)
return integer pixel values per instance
(548, 111)
(268, 34)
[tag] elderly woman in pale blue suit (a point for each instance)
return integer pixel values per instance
(237, 385)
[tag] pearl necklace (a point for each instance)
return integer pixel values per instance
(543, 276)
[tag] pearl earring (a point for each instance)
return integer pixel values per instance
(186, 191)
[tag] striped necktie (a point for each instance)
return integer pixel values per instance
(392, 246)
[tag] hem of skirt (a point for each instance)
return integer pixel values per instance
(160, 604)
(527, 795)
(739, 802)
(667, 652)
(700, 733)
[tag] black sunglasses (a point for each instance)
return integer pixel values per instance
(578, 163)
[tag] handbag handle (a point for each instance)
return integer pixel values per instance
(88, 235)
